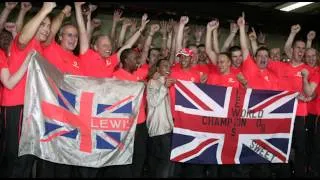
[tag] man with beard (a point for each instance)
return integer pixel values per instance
(32, 36)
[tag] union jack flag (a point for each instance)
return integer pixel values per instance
(225, 125)
(78, 120)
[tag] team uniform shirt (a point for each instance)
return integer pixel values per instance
(258, 78)
(202, 68)
(290, 78)
(314, 105)
(142, 72)
(16, 57)
(92, 64)
(236, 70)
(226, 80)
(125, 75)
(3, 64)
(179, 74)
(64, 60)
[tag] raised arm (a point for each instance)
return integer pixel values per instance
(10, 81)
(126, 23)
(130, 42)
(172, 57)
(310, 37)
(253, 41)
(25, 7)
(216, 39)
(170, 32)
(9, 6)
(233, 31)
(30, 29)
(163, 31)
(153, 29)
(211, 54)
(261, 39)
(84, 41)
(288, 45)
(57, 22)
(116, 18)
(243, 37)
(183, 21)
(308, 88)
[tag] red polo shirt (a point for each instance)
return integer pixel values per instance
(314, 105)
(3, 64)
(180, 74)
(258, 78)
(125, 75)
(290, 77)
(16, 57)
(92, 64)
(64, 60)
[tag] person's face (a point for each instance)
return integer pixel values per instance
(103, 46)
(194, 59)
(202, 55)
(223, 63)
(275, 54)
(236, 57)
(164, 68)
(185, 61)
(154, 56)
(43, 30)
(69, 38)
(262, 59)
(298, 51)
(311, 57)
(132, 61)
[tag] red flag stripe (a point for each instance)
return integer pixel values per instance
(262, 106)
(268, 148)
(193, 97)
(194, 151)
(53, 136)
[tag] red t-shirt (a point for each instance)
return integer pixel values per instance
(125, 75)
(16, 57)
(314, 105)
(290, 78)
(92, 64)
(180, 74)
(142, 72)
(227, 80)
(258, 78)
(202, 68)
(64, 60)
(3, 64)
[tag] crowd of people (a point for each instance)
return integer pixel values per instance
(178, 57)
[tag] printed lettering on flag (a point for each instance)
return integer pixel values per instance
(78, 120)
(225, 125)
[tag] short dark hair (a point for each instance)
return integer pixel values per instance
(226, 54)
(201, 45)
(124, 54)
(262, 48)
(153, 68)
(295, 42)
(5, 40)
(234, 48)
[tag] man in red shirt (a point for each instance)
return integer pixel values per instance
(129, 60)
(99, 62)
(259, 77)
(291, 74)
(33, 34)
(183, 71)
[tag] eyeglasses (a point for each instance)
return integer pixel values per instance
(70, 35)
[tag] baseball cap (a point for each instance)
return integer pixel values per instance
(185, 52)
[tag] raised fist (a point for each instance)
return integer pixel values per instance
(184, 20)
(295, 28)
